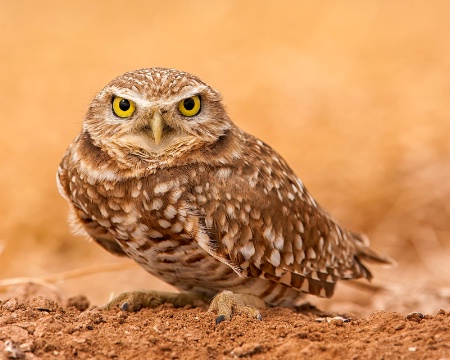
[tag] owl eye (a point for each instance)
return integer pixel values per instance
(122, 107)
(190, 106)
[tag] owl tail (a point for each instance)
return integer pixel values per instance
(365, 252)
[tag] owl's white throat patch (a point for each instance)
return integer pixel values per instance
(143, 144)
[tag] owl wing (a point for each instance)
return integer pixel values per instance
(263, 222)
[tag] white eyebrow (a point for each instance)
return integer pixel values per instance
(141, 101)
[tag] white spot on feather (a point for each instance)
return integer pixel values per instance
(162, 188)
(135, 192)
(279, 242)
(155, 234)
(275, 258)
(247, 251)
(103, 210)
(223, 173)
(298, 242)
(117, 219)
(156, 204)
(289, 258)
(176, 194)
(164, 223)
(230, 211)
(269, 234)
(228, 242)
(176, 228)
(170, 212)
(311, 254)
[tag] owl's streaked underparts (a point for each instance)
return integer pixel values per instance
(160, 173)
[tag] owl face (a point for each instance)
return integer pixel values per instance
(156, 113)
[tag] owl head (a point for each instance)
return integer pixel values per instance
(156, 115)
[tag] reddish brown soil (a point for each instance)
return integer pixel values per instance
(41, 329)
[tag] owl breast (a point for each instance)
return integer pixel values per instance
(154, 219)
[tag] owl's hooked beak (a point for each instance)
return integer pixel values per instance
(157, 125)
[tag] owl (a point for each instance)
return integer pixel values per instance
(160, 173)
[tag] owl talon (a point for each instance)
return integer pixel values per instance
(220, 318)
(125, 306)
(227, 304)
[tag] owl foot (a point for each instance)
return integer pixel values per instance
(136, 300)
(227, 304)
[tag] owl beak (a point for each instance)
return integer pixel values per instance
(157, 125)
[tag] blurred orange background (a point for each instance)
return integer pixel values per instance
(355, 95)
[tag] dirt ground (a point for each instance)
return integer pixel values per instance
(41, 329)
(354, 95)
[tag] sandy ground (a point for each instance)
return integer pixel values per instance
(41, 329)
(353, 94)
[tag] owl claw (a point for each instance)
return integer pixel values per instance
(125, 306)
(220, 318)
(226, 304)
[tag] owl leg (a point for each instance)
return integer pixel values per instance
(226, 304)
(136, 300)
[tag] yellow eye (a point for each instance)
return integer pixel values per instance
(122, 107)
(190, 106)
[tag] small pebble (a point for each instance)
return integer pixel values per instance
(79, 302)
(11, 304)
(414, 316)
(42, 304)
(337, 320)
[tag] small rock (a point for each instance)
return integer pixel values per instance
(337, 320)
(400, 326)
(79, 302)
(42, 304)
(414, 316)
(11, 304)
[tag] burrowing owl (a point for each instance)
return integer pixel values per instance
(160, 173)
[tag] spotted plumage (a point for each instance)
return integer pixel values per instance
(160, 173)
